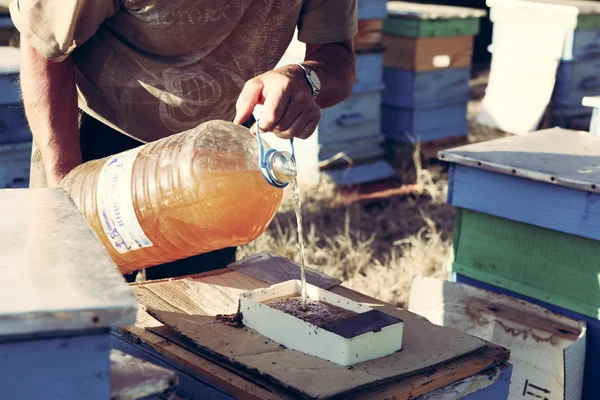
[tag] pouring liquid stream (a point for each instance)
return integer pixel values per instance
(298, 209)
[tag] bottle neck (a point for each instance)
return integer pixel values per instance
(281, 167)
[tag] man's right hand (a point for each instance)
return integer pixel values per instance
(50, 99)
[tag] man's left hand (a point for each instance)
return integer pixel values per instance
(289, 110)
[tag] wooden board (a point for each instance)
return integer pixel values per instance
(152, 295)
(429, 53)
(369, 36)
(271, 268)
(408, 89)
(54, 273)
(547, 265)
(591, 374)
(563, 209)
(556, 156)
(132, 378)
(491, 385)
(424, 124)
(547, 350)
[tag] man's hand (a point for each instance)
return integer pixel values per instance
(289, 111)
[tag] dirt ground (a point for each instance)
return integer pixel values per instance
(380, 248)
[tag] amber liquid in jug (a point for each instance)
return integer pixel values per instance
(188, 194)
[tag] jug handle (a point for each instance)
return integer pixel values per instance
(263, 155)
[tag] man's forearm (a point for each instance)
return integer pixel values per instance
(335, 64)
(50, 99)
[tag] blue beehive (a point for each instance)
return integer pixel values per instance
(15, 136)
(427, 70)
(60, 294)
(528, 224)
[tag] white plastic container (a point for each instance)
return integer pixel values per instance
(369, 335)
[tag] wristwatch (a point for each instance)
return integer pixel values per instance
(313, 80)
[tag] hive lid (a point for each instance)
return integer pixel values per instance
(401, 9)
(556, 156)
(584, 6)
(55, 275)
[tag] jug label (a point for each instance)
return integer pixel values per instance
(115, 204)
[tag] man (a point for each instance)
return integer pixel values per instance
(103, 76)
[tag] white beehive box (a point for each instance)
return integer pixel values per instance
(368, 335)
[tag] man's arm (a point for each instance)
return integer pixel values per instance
(50, 99)
(289, 109)
(335, 64)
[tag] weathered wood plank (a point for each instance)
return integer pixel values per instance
(190, 385)
(592, 358)
(424, 124)
(408, 89)
(132, 378)
(547, 349)
(422, 382)
(428, 54)
(54, 273)
(264, 269)
(489, 385)
(547, 265)
(245, 350)
(558, 208)
(66, 368)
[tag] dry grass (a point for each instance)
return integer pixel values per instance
(377, 250)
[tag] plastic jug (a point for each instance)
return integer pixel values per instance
(205, 189)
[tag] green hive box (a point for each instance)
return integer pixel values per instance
(547, 265)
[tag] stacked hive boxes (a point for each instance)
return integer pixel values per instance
(352, 128)
(578, 75)
(15, 137)
(347, 142)
(427, 68)
(528, 224)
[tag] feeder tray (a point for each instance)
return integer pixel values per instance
(362, 334)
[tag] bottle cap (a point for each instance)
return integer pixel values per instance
(278, 167)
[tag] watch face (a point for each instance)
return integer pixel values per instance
(315, 79)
